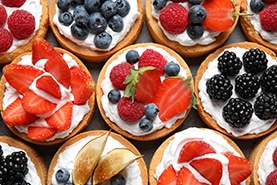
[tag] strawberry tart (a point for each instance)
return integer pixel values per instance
(47, 96)
(261, 24)
(20, 164)
(20, 22)
(96, 29)
(145, 91)
(72, 162)
(199, 156)
(236, 89)
(190, 27)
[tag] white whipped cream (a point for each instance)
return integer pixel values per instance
(128, 20)
(111, 109)
(131, 173)
(32, 176)
(78, 110)
(172, 151)
(215, 108)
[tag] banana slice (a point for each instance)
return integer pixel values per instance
(87, 159)
(112, 163)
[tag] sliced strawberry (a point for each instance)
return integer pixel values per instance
(82, 85)
(20, 77)
(35, 104)
(239, 168)
(40, 133)
(15, 115)
(61, 119)
(49, 85)
(173, 96)
(194, 149)
(168, 176)
(209, 168)
(186, 177)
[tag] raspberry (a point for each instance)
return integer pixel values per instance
(152, 58)
(21, 24)
(6, 40)
(129, 110)
(174, 18)
(3, 16)
(274, 157)
(268, 17)
(271, 178)
(118, 75)
(13, 3)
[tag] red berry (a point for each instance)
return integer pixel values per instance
(3, 16)
(21, 23)
(274, 157)
(270, 1)
(268, 18)
(174, 18)
(13, 3)
(129, 110)
(6, 40)
(271, 179)
(118, 75)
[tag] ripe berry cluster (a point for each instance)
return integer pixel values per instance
(271, 178)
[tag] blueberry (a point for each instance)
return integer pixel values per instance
(145, 124)
(114, 95)
(257, 5)
(65, 18)
(197, 14)
(62, 175)
(159, 4)
(151, 111)
(172, 68)
(123, 7)
(69, 183)
(92, 5)
(102, 40)
(97, 23)
(195, 31)
(116, 23)
(78, 32)
(193, 2)
(108, 9)
(63, 5)
(132, 56)
(75, 3)
(81, 16)
(118, 180)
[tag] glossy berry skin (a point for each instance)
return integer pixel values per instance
(265, 106)
(78, 32)
(75, 3)
(63, 5)
(65, 18)
(118, 180)
(146, 124)
(193, 2)
(159, 4)
(92, 5)
(269, 80)
(247, 85)
(80, 16)
(197, 14)
(114, 96)
(108, 9)
(102, 40)
(62, 175)
(229, 64)
(195, 31)
(132, 56)
(123, 7)
(254, 61)
(172, 69)
(116, 23)
(97, 23)
(151, 111)
(257, 5)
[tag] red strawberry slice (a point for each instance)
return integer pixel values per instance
(20, 77)
(35, 104)
(186, 177)
(82, 85)
(168, 177)
(15, 115)
(209, 168)
(239, 168)
(49, 85)
(61, 119)
(173, 96)
(194, 149)
(40, 133)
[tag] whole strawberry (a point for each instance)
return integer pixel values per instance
(129, 110)
(13, 3)
(6, 39)
(268, 18)
(118, 75)
(3, 16)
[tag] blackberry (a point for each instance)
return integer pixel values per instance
(265, 106)
(254, 61)
(247, 85)
(229, 64)
(237, 112)
(268, 80)
(219, 88)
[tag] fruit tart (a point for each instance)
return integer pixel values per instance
(20, 22)
(145, 91)
(261, 26)
(236, 89)
(47, 95)
(190, 27)
(20, 164)
(96, 29)
(199, 156)
(97, 157)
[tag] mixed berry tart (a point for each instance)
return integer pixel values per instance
(199, 156)
(236, 89)
(95, 29)
(191, 27)
(20, 22)
(47, 95)
(97, 157)
(145, 91)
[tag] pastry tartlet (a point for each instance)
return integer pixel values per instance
(23, 43)
(56, 87)
(85, 47)
(127, 115)
(240, 86)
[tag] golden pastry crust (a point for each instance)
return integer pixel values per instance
(79, 128)
(249, 30)
(94, 55)
(207, 118)
(122, 140)
(34, 156)
(186, 51)
(41, 32)
(99, 93)
(157, 157)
